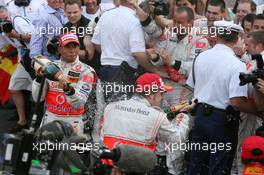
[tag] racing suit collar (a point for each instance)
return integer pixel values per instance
(65, 64)
(141, 99)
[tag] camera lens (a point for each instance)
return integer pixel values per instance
(247, 78)
(7, 27)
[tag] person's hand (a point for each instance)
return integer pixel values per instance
(134, 3)
(40, 72)
(151, 6)
(166, 57)
(12, 34)
(152, 54)
(190, 106)
(260, 85)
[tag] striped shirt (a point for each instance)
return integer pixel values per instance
(48, 25)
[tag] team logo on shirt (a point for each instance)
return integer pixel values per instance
(86, 87)
(87, 78)
(200, 45)
(73, 77)
(60, 99)
(74, 74)
(77, 68)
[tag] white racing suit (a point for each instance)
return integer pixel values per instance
(185, 51)
(69, 108)
(136, 122)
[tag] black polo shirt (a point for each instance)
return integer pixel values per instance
(80, 32)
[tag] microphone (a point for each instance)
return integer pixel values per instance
(130, 159)
(135, 159)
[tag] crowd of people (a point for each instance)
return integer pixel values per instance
(123, 62)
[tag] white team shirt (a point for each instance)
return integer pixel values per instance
(31, 11)
(120, 34)
(217, 76)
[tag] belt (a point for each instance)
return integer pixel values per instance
(110, 66)
(210, 107)
(123, 65)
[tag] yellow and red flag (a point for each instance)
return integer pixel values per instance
(7, 67)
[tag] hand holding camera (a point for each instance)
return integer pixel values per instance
(260, 85)
(6, 26)
(256, 74)
(159, 7)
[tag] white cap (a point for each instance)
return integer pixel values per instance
(228, 25)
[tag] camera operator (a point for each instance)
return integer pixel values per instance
(256, 46)
(17, 31)
(63, 101)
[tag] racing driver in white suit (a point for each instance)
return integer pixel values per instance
(60, 102)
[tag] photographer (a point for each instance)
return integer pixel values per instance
(65, 99)
(249, 122)
(17, 31)
(256, 46)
